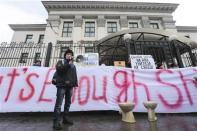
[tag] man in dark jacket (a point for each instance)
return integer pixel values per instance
(65, 78)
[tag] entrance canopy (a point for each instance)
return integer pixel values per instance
(164, 46)
(165, 34)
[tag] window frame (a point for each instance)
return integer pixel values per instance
(87, 49)
(67, 30)
(111, 27)
(39, 40)
(23, 58)
(91, 29)
(37, 56)
(152, 25)
(28, 40)
(131, 23)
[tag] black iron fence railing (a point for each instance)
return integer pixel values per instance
(187, 59)
(25, 54)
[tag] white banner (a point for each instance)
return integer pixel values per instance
(100, 88)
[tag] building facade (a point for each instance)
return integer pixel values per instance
(100, 26)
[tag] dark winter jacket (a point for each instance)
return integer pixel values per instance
(65, 72)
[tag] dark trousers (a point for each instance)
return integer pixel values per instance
(61, 93)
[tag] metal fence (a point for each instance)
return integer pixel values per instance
(21, 54)
(186, 58)
(59, 49)
(25, 54)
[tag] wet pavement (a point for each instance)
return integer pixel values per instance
(98, 121)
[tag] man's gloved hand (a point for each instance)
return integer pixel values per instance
(54, 82)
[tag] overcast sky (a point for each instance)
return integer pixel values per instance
(33, 12)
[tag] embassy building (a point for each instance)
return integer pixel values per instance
(114, 30)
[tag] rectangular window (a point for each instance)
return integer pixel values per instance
(133, 25)
(36, 57)
(23, 58)
(41, 39)
(63, 50)
(111, 27)
(29, 38)
(67, 29)
(89, 29)
(89, 49)
(154, 25)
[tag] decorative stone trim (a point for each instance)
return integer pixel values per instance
(145, 22)
(67, 43)
(53, 17)
(186, 28)
(101, 22)
(168, 22)
(78, 21)
(169, 25)
(28, 27)
(53, 23)
(110, 6)
(123, 23)
(167, 19)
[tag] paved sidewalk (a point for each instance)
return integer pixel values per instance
(98, 121)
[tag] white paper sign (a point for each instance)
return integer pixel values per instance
(88, 59)
(142, 62)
